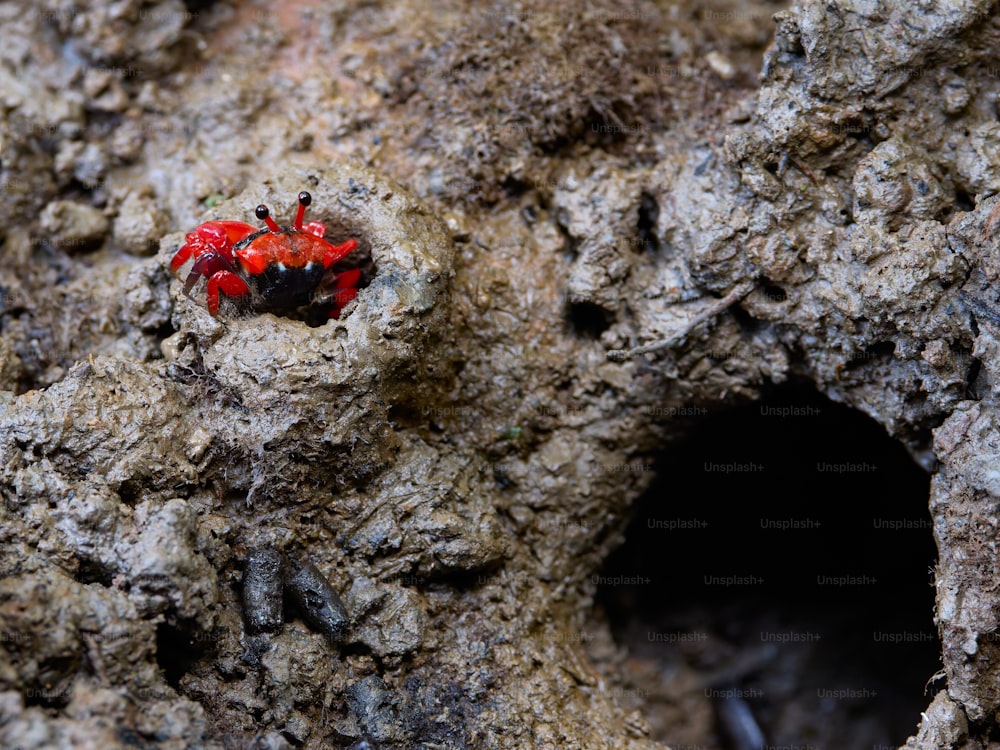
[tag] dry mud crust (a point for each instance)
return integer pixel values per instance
(513, 82)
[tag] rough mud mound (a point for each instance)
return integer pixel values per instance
(806, 197)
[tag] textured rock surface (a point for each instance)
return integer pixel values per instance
(536, 185)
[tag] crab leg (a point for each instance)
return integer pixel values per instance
(340, 299)
(227, 282)
(182, 257)
(347, 279)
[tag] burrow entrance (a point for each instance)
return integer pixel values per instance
(778, 583)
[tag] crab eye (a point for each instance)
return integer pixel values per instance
(264, 215)
(304, 200)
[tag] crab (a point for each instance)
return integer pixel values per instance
(279, 269)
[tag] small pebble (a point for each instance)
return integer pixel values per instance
(720, 65)
(73, 227)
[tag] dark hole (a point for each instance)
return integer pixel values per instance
(774, 293)
(970, 380)
(53, 686)
(649, 212)
(963, 201)
(198, 6)
(779, 567)
(570, 243)
(411, 416)
(514, 187)
(795, 48)
(609, 130)
(772, 167)
(163, 331)
(881, 350)
(588, 319)
(746, 321)
(92, 571)
(176, 652)
(129, 491)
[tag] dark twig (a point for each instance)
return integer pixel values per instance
(738, 292)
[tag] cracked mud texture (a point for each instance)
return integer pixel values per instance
(536, 185)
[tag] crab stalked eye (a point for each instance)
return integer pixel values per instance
(304, 200)
(264, 215)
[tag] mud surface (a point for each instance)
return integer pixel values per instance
(805, 197)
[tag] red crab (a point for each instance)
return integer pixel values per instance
(279, 269)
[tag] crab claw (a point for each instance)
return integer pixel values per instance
(227, 282)
(216, 237)
(209, 263)
(205, 238)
